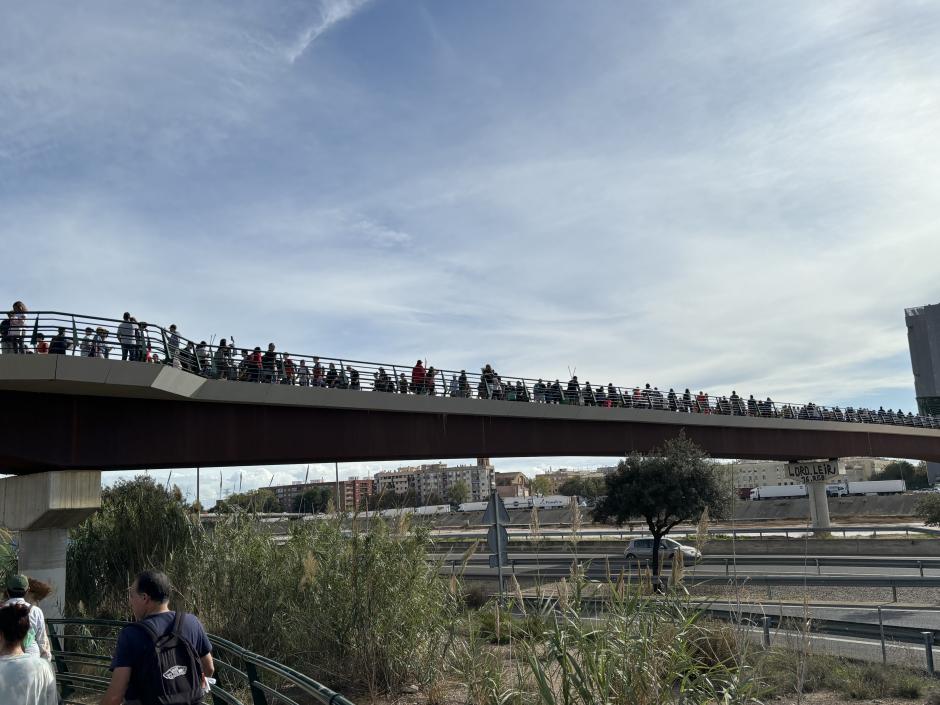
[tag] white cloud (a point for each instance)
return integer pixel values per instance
(331, 13)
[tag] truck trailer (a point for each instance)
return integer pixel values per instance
(778, 492)
(847, 488)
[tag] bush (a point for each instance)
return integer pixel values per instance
(359, 610)
(139, 525)
(856, 680)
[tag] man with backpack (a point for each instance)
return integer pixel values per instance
(162, 657)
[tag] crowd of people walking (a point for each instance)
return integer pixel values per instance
(140, 342)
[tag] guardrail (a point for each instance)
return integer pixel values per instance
(82, 672)
(139, 341)
(817, 562)
(797, 532)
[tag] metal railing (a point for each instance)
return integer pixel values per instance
(82, 648)
(59, 332)
(770, 531)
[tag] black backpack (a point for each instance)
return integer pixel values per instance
(173, 675)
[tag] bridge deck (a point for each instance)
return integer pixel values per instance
(62, 412)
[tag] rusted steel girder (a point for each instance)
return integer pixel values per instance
(65, 431)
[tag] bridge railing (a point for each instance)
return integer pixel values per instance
(82, 649)
(142, 341)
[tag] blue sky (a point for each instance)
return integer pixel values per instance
(723, 195)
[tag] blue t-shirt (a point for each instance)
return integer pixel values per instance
(135, 647)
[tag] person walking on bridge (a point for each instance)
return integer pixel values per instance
(125, 334)
(149, 665)
(417, 378)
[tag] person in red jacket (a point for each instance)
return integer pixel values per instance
(417, 378)
(254, 365)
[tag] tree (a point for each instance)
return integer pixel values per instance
(541, 485)
(928, 509)
(458, 493)
(258, 501)
(914, 476)
(139, 524)
(313, 501)
(589, 488)
(673, 485)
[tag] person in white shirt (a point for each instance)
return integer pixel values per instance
(24, 679)
(37, 640)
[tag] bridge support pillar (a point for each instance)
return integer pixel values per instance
(818, 505)
(41, 508)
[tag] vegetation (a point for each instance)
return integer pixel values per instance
(458, 493)
(360, 610)
(262, 500)
(541, 485)
(590, 488)
(140, 524)
(914, 476)
(314, 501)
(356, 604)
(928, 509)
(857, 680)
(673, 485)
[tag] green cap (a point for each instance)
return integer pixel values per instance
(18, 582)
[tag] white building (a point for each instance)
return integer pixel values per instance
(757, 473)
(434, 481)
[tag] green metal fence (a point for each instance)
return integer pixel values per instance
(82, 648)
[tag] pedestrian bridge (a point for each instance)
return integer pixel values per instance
(64, 412)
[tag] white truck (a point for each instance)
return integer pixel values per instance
(846, 488)
(778, 492)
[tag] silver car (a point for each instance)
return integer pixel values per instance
(642, 549)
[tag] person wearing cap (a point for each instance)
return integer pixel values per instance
(36, 642)
(24, 679)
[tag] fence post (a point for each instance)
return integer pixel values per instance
(257, 695)
(726, 567)
(920, 564)
(818, 569)
(928, 651)
(894, 593)
(61, 666)
(881, 630)
(766, 637)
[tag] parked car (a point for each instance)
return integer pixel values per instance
(643, 549)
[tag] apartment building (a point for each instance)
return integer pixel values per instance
(511, 484)
(433, 482)
(352, 492)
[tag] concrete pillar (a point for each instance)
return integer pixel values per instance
(41, 508)
(933, 473)
(818, 504)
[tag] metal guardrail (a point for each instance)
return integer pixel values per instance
(82, 672)
(817, 562)
(770, 532)
(139, 341)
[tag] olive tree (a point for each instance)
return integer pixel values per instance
(672, 485)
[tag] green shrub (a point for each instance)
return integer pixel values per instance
(359, 610)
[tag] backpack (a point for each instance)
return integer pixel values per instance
(5, 328)
(173, 675)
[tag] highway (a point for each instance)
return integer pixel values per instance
(719, 566)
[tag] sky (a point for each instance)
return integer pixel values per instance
(722, 195)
